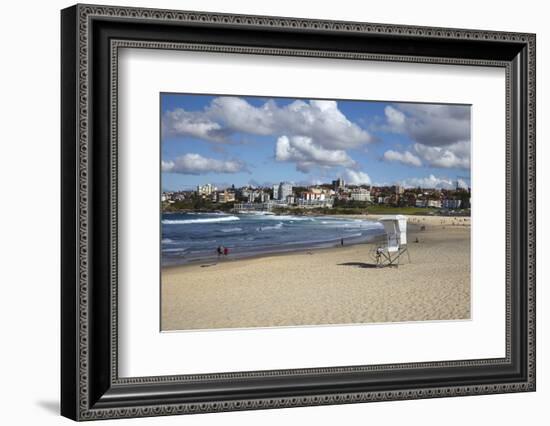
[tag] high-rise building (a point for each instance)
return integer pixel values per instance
(338, 184)
(276, 191)
(282, 190)
(285, 190)
(264, 197)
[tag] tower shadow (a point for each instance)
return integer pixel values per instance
(359, 264)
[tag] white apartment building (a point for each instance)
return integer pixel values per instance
(206, 189)
(285, 190)
(313, 195)
(264, 197)
(276, 191)
(226, 197)
(428, 203)
(452, 204)
(360, 194)
(282, 191)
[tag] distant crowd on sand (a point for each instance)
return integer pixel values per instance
(434, 220)
(221, 250)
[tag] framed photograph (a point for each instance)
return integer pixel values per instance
(263, 212)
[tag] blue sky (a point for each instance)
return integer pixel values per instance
(256, 140)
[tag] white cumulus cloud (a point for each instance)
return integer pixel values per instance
(318, 119)
(180, 122)
(430, 124)
(306, 153)
(441, 134)
(430, 181)
(406, 157)
(396, 119)
(196, 164)
(357, 177)
(456, 155)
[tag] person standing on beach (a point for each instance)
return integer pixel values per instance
(220, 251)
(342, 242)
(225, 251)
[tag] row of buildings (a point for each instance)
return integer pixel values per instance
(285, 194)
(450, 199)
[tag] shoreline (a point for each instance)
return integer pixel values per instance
(414, 225)
(289, 252)
(258, 255)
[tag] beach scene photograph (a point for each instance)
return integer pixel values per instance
(286, 212)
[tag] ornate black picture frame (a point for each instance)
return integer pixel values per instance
(91, 37)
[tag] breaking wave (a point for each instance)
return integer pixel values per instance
(268, 228)
(203, 220)
(228, 230)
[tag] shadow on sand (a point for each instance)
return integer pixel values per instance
(208, 265)
(359, 264)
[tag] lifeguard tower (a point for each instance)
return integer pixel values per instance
(396, 246)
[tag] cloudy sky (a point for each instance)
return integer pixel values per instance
(243, 140)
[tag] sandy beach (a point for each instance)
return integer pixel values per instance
(339, 285)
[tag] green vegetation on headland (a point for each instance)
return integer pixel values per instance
(352, 208)
(196, 204)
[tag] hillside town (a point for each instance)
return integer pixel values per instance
(335, 197)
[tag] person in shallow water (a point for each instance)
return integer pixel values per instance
(225, 251)
(219, 250)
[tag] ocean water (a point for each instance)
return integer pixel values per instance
(193, 237)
